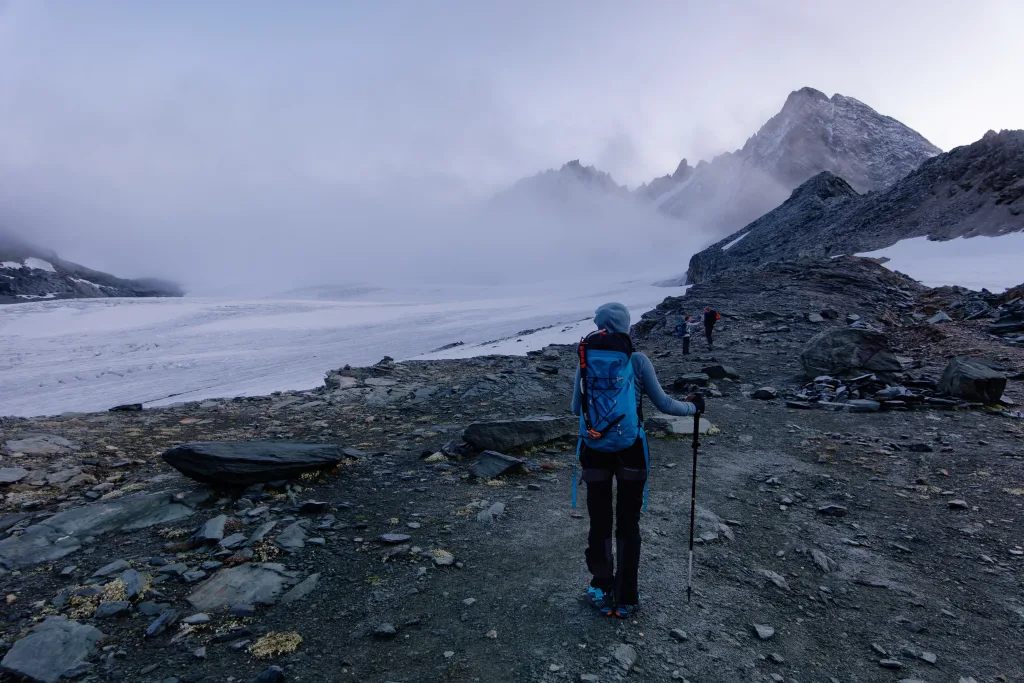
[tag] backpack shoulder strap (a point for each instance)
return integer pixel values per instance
(584, 409)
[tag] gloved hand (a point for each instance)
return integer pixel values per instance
(697, 401)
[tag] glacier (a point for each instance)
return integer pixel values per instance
(79, 355)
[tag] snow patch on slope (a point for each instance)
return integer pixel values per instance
(992, 263)
(39, 264)
(12, 265)
(734, 242)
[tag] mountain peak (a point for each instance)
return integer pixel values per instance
(825, 185)
(682, 170)
(806, 93)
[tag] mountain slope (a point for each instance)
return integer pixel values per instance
(812, 133)
(28, 273)
(973, 190)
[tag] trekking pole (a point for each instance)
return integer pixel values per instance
(693, 503)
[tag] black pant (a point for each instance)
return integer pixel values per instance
(686, 344)
(630, 468)
(707, 332)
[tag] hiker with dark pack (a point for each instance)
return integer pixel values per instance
(710, 318)
(610, 384)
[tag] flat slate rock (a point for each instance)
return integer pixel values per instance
(110, 609)
(41, 444)
(676, 426)
(291, 538)
(58, 536)
(252, 584)
(213, 530)
(51, 648)
(301, 590)
(244, 463)
(491, 464)
(507, 435)
(12, 475)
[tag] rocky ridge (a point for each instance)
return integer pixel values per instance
(28, 273)
(811, 134)
(970, 191)
(832, 545)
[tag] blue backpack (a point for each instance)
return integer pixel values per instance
(609, 418)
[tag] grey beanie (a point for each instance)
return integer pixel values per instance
(613, 317)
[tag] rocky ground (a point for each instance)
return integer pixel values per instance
(835, 545)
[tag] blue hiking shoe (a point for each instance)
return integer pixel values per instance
(603, 602)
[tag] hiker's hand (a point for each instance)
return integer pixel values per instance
(697, 401)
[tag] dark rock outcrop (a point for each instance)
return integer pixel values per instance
(845, 351)
(509, 435)
(28, 273)
(973, 190)
(243, 463)
(972, 380)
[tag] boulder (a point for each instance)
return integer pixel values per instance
(862, 405)
(765, 394)
(720, 372)
(127, 408)
(491, 464)
(53, 647)
(243, 463)
(815, 318)
(939, 317)
(846, 351)
(684, 382)
(972, 380)
(251, 584)
(508, 435)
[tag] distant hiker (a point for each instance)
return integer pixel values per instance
(710, 318)
(608, 395)
(687, 328)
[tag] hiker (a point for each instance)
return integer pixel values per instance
(613, 445)
(710, 318)
(686, 328)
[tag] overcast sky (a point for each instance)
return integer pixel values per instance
(135, 135)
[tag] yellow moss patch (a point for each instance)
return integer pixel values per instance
(174, 534)
(117, 493)
(82, 608)
(115, 591)
(266, 551)
(274, 644)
